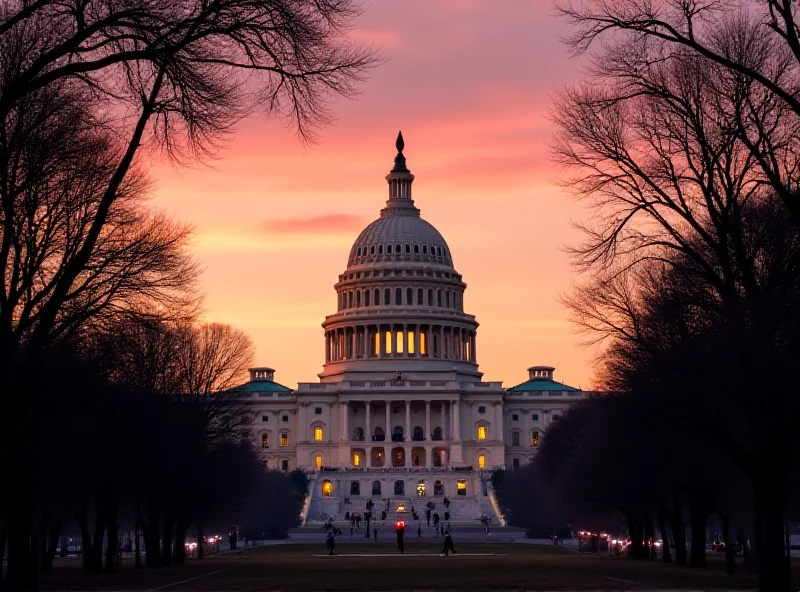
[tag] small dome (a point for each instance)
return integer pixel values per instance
(418, 240)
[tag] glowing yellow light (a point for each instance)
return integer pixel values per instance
(481, 432)
(356, 460)
(423, 344)
(534, 438)
(327, 488)
(482, 461)
(318, 462)
(284, 440)
(410, 342)
(388, 342)
(399, 349)
(318, 434)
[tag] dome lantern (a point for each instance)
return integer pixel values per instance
(400, 179)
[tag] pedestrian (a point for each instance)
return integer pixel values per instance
(448, 544)
(442, 529)
(351, 530)
(330, 541)
(419, 531)
(375, 533)
(400, 529)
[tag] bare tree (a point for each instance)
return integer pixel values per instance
(212, 358)
(754, 42)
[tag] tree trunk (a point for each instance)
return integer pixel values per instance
(666, 554)
(20, 572)
(678, 532)
(180, 542)
(747, 555)
(86, 539)
(730, 551)
(112, 547)
(50, 539)
(200, 541)
(768, 509)
(3, 537)
(167, 537)
(152, 551)
(99, 534)
(699, 519)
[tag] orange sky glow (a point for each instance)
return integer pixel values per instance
(469, 82)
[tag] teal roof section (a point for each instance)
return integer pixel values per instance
(261, 386)
(542, 384)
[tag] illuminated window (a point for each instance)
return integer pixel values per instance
(461, 487)
(388, 342)
(481, 432)
(356, 459)
(327, 489)
(264, 440)
(318, 462)
(318, 434)
(284, 439)
(481, 461)
(423, 344)
(421, 489)
(410, 337)
(534, 438)
(399, 349)
(376, 345)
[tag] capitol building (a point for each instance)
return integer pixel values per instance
(401, 409)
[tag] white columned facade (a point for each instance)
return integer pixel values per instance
(345, 435)
(302, 432)
(388, 435)
(456, 423)
(445, 431)
(408, 421)
(428, 421)
(499, 414)
(368, 434)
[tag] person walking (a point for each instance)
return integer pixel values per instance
(330, 541)
(448, 544)
(400, 529)
(419, 531)
(375, 534)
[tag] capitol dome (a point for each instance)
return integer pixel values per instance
(400, 300)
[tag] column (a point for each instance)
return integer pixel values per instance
(343, 413)
(405, 340)
(499, 435)
(416, 341)
(366, 341)
(408, 421)
(381, 342)
(445, 431)
(388, 422)
(428, 421)
(473, 347)
(302, 423)
(456, 423)
(368, 435)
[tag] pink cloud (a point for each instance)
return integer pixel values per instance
(327, 224)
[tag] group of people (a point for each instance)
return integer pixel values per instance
(400, 528)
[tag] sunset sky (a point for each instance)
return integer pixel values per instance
(469, 82)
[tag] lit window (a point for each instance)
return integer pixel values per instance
(376, 344)
(481, 432)
(423, 344)
(264, 440)
(461, 487)
(534, 439)
(356, 460)
(410, 341)
(318, 434)
(327, 489)
(399, 349)
(421, 489)
(388, 342)
(284, 440)
(318, 462)
(481, 461)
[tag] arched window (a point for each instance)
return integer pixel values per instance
(380, 249)
(387, 297)
(388, 249)
(378, 435)
(355, 488)
(418, 434)
(358, 434)
(376, 488)
(422, 488)
(366, 297)
(377, 296)
(447, 298)
(481, 432)
(398, 248)
(437, 433)
(410, 296)
(439, 298)
(430, 297)
(350, 299)
(398, 296)
(372, 250)
(397, 435)
(399, 487)
(416, 249)
(265, 440)
(284, 439)
(408, 248)
(515, 438)
(358, 298)
(318, 461)
(424, 249)
(481, 461)
(438, 488)
(318, 434)
(419, 297)
(327, 488)
(358, 252)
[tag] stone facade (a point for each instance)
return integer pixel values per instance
(401, 410)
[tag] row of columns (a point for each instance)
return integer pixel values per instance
(456, 435)
(391, 340)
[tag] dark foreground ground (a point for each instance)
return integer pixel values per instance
(379, 567)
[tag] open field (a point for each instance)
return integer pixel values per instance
(380, 567)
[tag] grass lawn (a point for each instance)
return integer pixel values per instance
(380, 567)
